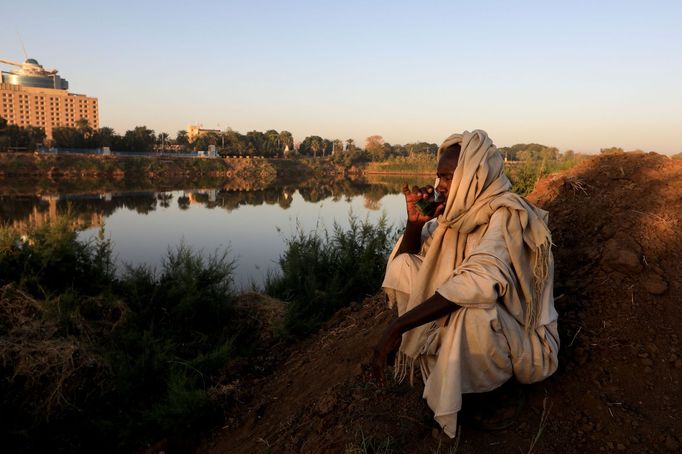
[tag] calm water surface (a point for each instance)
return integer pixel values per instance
(252, 225)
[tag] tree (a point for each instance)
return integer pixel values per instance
(13, 136)
(235, 143)
(181, 138)
(255, 142)
(286, 139)
(271, 145)
(568, 155)
(139, 139)
(375, 147)
(67, 137)
(312, 145)
(337, 147)
(106, 137)
(350, 144)
(205, 140)
(163, 139)
(315, 146)
(530, 152)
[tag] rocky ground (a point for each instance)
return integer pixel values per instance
(616, 223)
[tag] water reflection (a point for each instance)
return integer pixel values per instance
(143, 224)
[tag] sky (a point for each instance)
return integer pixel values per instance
(580, 75)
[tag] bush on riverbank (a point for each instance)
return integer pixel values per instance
(524, 176)
(322, 272)
(88, 359)
(414, 164)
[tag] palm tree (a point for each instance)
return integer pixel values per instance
(315, 146)
(350, 144)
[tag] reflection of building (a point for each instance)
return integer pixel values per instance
(40, 216)
(194, 131)
(201, 195)
(34, 96)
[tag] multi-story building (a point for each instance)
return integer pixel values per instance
(34, 96)
(194, 131)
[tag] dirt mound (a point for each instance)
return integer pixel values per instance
(616, 225)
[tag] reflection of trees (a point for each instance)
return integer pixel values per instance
(183, 202)
(95, 205)
(285, 197)
(371, 204)
(164, 199)
(14, 209)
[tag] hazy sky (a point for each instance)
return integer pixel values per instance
(585, 75)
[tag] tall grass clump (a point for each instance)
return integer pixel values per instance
(88, 359)
(417, 163)
(524, 176)
(322, 271)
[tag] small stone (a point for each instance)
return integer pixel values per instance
(654, 283)
(609, 445)
(326, 404)
(619, 257)
(620, 447)
(678, 364)
(643, 355)
(647, 362)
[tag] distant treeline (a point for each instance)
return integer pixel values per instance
(270, 143)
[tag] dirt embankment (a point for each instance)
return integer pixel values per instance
(616, 223)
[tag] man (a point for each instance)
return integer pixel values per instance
(472, 284)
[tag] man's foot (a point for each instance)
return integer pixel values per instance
(494, 410)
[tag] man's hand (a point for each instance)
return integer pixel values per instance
(415, 195)
(387, 345)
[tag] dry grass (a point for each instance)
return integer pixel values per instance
(576, 184)
(541, 428)
(50, 368)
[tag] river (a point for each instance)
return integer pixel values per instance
(252, 225)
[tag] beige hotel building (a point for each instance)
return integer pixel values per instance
(33, 96)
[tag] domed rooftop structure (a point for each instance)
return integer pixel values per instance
(32, 74)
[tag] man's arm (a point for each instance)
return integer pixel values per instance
(411, 242)
(431, 309)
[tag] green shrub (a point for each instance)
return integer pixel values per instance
(322, 272)
(130, 358)
(524, 177)
(417, 163)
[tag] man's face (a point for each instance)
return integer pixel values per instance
(446, 168)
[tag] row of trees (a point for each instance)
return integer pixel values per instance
(270, 143)
(18, 138)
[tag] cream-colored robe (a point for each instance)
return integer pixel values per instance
(484, 343)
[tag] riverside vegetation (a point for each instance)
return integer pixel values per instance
(90, 359)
